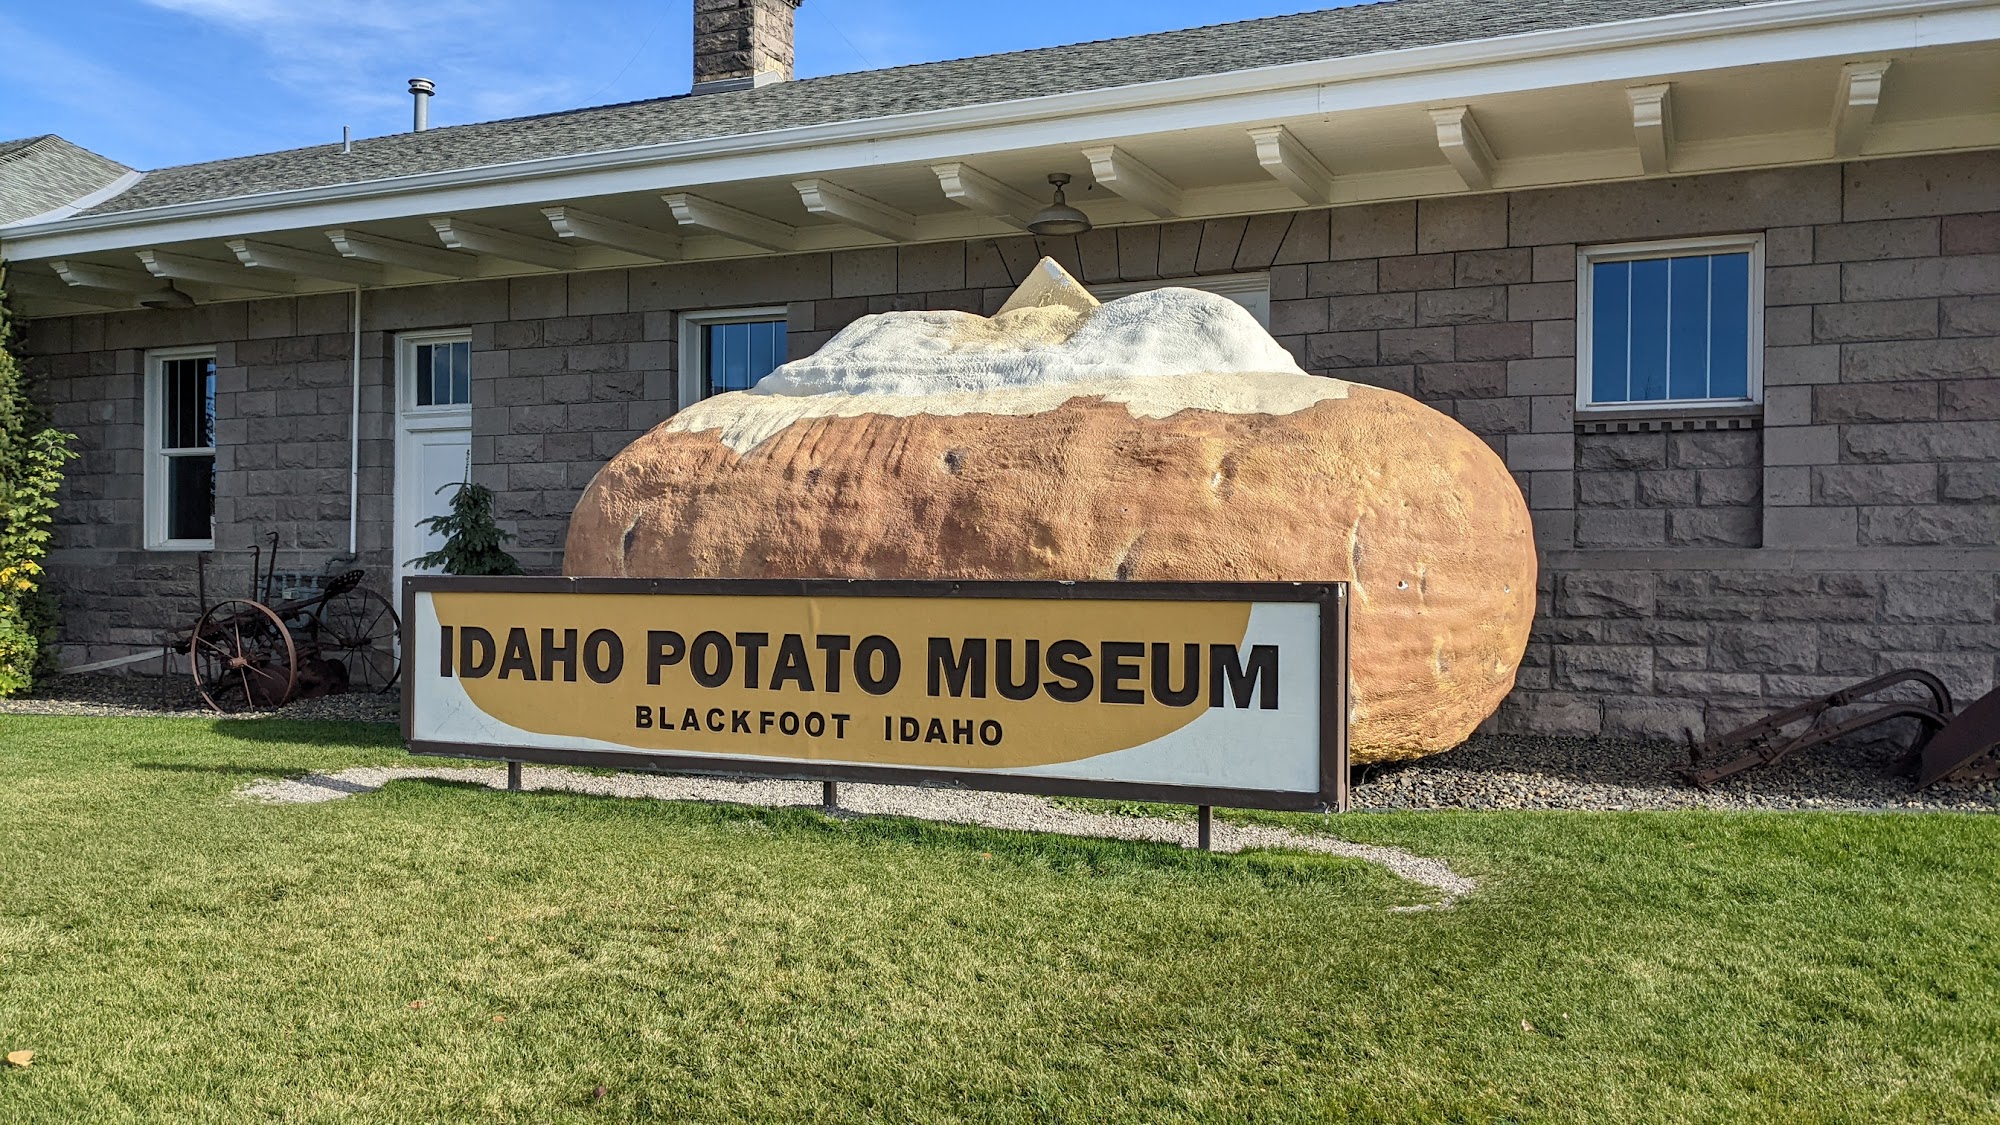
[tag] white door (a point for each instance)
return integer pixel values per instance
(433, 436)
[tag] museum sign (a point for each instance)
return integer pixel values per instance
(1223, 694)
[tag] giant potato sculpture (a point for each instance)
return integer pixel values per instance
(1161, 437)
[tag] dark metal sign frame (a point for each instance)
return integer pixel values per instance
(1331, 597)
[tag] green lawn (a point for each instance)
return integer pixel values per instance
(170, 953)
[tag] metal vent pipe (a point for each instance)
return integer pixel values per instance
(421, 90)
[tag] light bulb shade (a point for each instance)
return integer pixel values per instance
(1059, 218)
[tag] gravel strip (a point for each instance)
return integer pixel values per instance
(1010, 811)
(147, 697)
(1488, 772)
(122, 696)
(1526, 772)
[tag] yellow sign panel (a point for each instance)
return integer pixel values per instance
(1208, 691)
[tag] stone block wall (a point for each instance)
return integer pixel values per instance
(1887, 420)
(1697, 570)
(283, 408)
(1645, 652)
(1669, 488)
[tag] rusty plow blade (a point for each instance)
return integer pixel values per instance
(1966, 747)
(1771, 740)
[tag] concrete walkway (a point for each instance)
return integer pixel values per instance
(1010, 811)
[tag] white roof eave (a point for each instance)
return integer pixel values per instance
(1781, 31)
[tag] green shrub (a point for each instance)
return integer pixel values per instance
(32, 454)
(42, 615)
(472, 541)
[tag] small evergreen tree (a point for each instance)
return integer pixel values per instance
(471, 539)
(32, 454)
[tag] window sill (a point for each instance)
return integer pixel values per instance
(1643, 420)
(183, 545)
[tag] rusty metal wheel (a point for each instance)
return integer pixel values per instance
(360, 629)
(243, 657)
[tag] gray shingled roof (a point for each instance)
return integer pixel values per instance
(1334, 33)
(39, 174)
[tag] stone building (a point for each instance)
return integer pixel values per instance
(1721, 282)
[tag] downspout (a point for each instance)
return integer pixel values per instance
(354, 434)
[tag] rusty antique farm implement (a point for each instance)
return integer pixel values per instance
(274, 646)
(1964, 745)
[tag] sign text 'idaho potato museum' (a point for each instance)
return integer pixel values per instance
(1228, 694)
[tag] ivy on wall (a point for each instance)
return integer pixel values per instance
(32, 455)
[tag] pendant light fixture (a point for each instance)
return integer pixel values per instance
(1059, 217)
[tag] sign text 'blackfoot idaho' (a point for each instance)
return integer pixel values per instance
(1196, 688)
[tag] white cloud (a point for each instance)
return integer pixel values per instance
(357, 15)
(49, 83)
(354, 56)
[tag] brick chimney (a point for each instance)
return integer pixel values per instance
(742, 43)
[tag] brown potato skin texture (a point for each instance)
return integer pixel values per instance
(1374, 489)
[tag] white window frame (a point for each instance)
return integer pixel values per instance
(157, 455)
(406, 369)
(693, 362)
(1251, 290)
(1588, 256)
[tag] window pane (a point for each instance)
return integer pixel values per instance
(763, 350)
(191, 497)
(735, 356)
(207, 402)
(1610, 330)
(1671, 328)
(1729, 331)
(425, 359)
(715, 359)
(1687, 338)
(172, 410)
(1649, 331)
(187, 403)
(443, 375)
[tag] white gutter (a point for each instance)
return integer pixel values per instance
(1760, 33)
(354, 432)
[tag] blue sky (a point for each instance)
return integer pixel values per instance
(154, 83)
